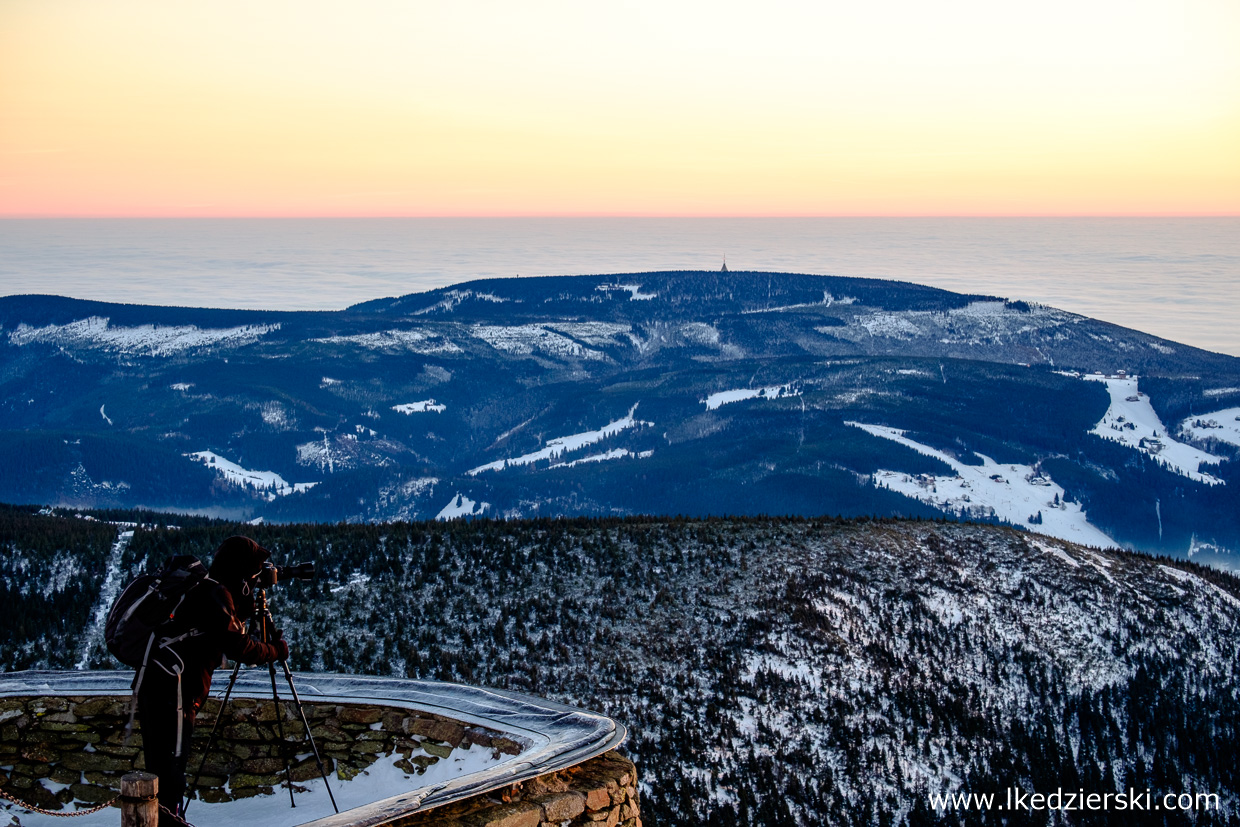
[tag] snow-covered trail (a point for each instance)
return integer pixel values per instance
(107, 593)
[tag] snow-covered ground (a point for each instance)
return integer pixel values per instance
(380, 780)
(107, 593)
(420, 407)
(452, 298)
(1222, 425)
(615, 453)
(599, 334)
(715, 400)
(1131, 421)
(634, 290)
(524, 340)
(564, 444)
(269, 482)
(461, 506)
(143, 340)
(827, 301)
(1014, 493)
(416, 341)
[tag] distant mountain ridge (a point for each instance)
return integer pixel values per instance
(676, 392)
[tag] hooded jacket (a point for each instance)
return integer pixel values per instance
(212, 618)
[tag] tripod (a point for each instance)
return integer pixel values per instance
(265, 624)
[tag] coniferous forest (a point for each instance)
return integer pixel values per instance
(770, 671)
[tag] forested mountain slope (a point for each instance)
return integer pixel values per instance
(671, 393)
(790, 671)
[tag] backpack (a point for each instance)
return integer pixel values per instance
(145, 605)
(138, 617)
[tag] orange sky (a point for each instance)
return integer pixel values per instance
(889, 107)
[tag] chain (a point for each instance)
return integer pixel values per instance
(32, 808)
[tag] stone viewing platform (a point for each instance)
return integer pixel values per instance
(397, 752)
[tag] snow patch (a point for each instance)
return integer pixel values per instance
(564, 444)
(461, 506)
(715, 400)
(827, 301)
(143, 340)
(635, 293)
(452, 298)
(269, 483)
(420, 407)
(415, 341)
(890, 325)
(524, 340)
(1132, 422)
(615, 453)
(599, 334)
(1055, 551)
(982, 308)
(1014, 493)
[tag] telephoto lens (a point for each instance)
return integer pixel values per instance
(297, 571)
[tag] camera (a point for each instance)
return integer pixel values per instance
(272, 574)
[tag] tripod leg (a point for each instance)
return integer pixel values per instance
(219, 716)
(275, 698)
(288, 676)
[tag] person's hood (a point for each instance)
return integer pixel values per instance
(237, 560)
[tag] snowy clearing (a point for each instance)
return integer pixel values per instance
(426, 405)
(599, 334)
(614, 453)
(1015, 493)
(415, 341)
(635, 291)
(562, 444)
(452, 298)
(827, 301)
(267, 482)
(1131, 421)
(461, 506)
(524, 340)
(1222, 425)
(144, 340)
(715, 400)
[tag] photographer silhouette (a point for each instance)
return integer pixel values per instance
(207, 625)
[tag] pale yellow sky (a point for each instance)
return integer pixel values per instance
(884, 107)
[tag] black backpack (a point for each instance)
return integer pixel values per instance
(146, 605)
(139, 616)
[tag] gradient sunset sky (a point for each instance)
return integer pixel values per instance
(540, 107)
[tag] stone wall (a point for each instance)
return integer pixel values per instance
(601, 792)
(55, 751)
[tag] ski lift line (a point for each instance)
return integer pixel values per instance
(561, 736)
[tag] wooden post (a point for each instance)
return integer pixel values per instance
(139, 806)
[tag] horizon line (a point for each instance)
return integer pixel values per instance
(431, 216)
